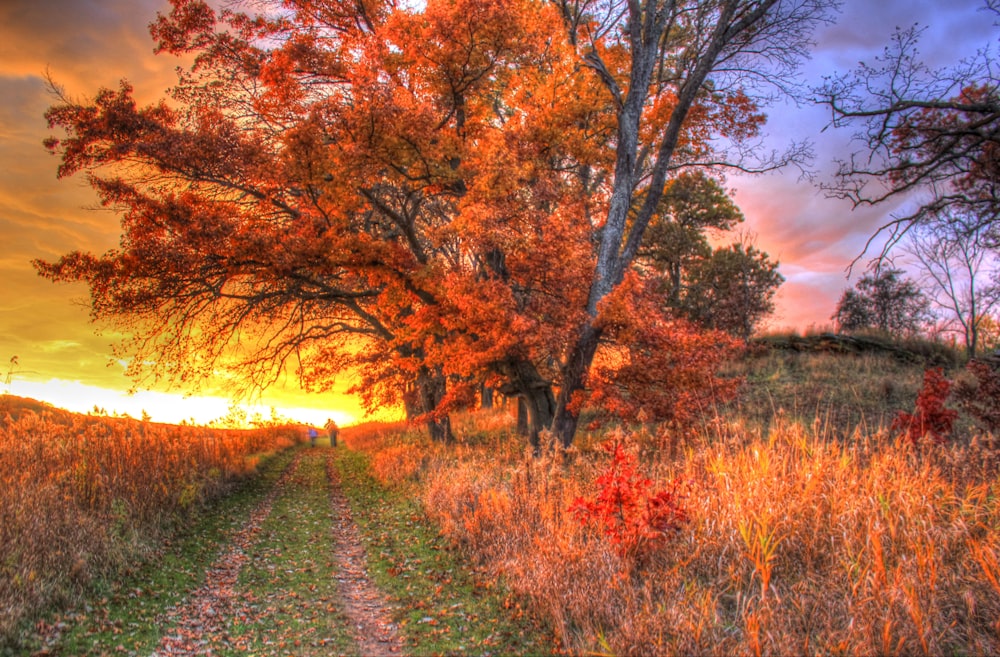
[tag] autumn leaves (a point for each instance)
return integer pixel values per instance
(431, 199)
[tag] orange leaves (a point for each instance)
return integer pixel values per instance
(660, 367)
(406, 190)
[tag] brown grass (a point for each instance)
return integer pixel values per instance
(86, 497)
(801, 540)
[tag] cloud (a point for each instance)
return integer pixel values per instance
(85, 44)
(862, 31)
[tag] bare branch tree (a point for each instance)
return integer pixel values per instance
(957, 268)
(921, 131)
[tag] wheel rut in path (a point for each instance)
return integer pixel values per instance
(364, 604)
(200, 624)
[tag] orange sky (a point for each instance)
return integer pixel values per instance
(88, 44)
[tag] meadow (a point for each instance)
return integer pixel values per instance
(791, 521)
(84, 499)
(797, 518)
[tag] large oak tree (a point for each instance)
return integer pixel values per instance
(435, 197)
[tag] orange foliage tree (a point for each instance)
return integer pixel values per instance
(433, 197)
(680, 76)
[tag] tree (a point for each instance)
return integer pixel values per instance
(295, 203)
(436, 197)
(693, 205)
(989, 331)
(664, 64)
(652, 366)
(956, 265)
(928, 130)
(884, 301)
(732, 290)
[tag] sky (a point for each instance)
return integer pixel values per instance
(85, 45)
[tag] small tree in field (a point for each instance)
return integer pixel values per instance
(732, 290)
(957, 264)
(883, 301)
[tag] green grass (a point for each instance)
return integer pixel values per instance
(441, 607)
(289, 581)
(122, 617)
(842, 391)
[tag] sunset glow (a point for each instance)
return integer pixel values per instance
(172, 408)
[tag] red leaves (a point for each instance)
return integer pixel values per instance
(630, 513)
(656, 367)
(980, 397)
(930, 418)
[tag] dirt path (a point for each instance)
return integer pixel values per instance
(364, 604)
(292, 580)
(200, 626)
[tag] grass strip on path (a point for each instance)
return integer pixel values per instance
(125, 617)
(440, 607)
(291, 604)
(364, 604)
(201, 624)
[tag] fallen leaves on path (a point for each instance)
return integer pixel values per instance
(364, 604)
(200, 626)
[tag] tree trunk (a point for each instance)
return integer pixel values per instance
(578, 361)
(540, 403)
(431, 387)
(522, 417)
(536, 403)
(486, 397)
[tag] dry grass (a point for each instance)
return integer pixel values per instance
(799, 542)
(87, 498)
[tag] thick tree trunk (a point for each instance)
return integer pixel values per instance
(536, 402)
(522, 417)
(541, 406)
(440, 430)
(486, 397)
(578, 361)
(431, 387)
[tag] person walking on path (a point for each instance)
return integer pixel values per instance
(332, 429)
(312, 436)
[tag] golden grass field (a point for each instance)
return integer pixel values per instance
(811, 529)
(88, 497)
(805, 525)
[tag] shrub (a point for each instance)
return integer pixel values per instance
(980, 397)
(636, 519)
(930, 417)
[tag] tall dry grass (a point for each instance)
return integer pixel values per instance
(797, 543)
(87, 498)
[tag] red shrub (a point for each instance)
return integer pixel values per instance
(981, 398)
(634, 517)
(930, 416)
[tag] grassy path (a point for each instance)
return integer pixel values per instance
(201, 624)
(364, 603)
(281, 568)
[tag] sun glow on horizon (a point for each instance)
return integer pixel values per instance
(165, 407)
